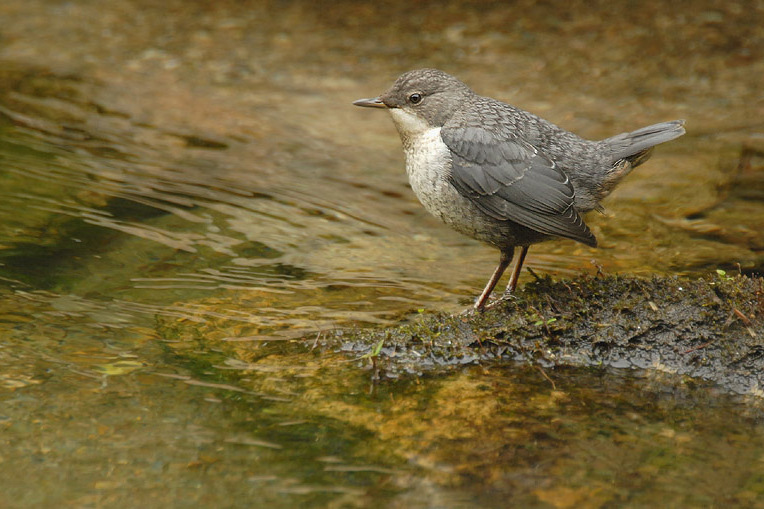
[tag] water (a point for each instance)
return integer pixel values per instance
(166, 166)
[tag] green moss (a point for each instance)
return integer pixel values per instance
(706, 328)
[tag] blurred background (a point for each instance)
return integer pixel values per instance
(167, 166)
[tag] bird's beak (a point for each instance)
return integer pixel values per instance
(374, 102)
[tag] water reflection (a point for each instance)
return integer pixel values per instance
(275, 240)
(167, 212)
(161, 167)
(289, 427)
(290, 246)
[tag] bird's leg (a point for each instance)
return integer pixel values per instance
(516, 270)
(506, 257)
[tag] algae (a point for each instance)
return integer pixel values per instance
(710, 329)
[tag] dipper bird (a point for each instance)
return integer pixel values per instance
(502, 175)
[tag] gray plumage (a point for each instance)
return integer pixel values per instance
(500, 174)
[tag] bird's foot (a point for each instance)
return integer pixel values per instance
(506, 297)
(475, 309)
(488, 305)
(495, 302)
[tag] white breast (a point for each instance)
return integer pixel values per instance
(428, 165)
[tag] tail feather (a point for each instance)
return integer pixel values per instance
(628, 150)
(627, 145)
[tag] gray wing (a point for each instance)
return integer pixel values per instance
(508, 179)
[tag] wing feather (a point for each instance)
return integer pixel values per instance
(509, 180)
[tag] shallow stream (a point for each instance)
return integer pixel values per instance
(186, 162)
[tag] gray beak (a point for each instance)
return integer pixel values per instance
(374, 102)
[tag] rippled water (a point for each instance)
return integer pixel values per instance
(165, 166)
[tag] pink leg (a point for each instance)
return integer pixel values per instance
(506, 257)
(516, 271)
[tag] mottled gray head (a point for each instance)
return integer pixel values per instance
(428, 95)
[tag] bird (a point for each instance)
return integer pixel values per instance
(502, 175)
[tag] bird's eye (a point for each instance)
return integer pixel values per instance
(415, 98)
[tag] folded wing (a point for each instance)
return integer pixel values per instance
(508, 179)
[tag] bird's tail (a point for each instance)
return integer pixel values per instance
(634, 146)
(629, 150)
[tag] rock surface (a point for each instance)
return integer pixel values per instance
(710, 329)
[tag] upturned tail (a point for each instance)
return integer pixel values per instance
(626, 151)
(632, 145)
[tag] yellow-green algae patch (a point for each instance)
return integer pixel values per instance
(708, 329)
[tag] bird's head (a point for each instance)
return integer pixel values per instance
(421, 100)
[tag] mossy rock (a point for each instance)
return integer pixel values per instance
(709, 329)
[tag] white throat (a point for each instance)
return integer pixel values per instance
(409, 125)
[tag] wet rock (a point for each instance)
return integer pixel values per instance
(709, 329)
